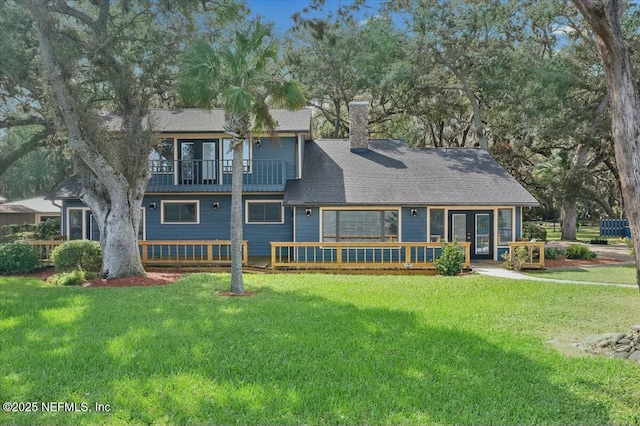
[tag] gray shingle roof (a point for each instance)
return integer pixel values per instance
(36, 204)
(69, 189)
(205, 120)
(391, 173)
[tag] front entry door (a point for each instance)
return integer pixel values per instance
(475, 227)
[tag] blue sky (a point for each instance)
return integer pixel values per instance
(280, 11)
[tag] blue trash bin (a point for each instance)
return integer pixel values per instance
(627, 232)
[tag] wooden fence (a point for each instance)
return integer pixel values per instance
(361, 255)
(534, 253)
(179, 253)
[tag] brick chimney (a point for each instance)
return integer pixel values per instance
(359, 124)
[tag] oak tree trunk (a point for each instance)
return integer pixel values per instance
(604, 18)
(114, 198)
(118, 220)
(569, 218)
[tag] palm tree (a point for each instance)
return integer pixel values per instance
(243, 78)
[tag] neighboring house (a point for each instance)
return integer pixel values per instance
(32, 210)
(300, 190)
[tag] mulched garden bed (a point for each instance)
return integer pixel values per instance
(152, 278)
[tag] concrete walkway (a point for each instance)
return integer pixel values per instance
(614, 251)
(500, 272)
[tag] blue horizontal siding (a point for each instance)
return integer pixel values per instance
(282, 149)
(307, 227)
(414, 228)
(215, 224)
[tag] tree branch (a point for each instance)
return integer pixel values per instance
(24, 121)
(8, 158)
(63, 8)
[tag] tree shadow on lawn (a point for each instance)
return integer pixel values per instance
(180, 354)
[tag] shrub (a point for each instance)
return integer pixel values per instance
(77, 254)
(577, 251)
(553, 253)
(516, 262)
(534, 232)
(48, 229)
(75, 277)
(18, 258)
(451, 259)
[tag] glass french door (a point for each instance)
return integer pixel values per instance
(475, 227)
(198, 161)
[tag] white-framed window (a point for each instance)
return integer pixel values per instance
(360, 225)
(161, 157)
(81, 223)
(78, 223)
(264, 211)
(180, 211)
(227, 156)
(436, 224)
(142, 229)
(505, 226)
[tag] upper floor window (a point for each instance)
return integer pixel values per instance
(161, 157)
(227, 156)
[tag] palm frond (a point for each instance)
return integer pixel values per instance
(196, 82)
(238, 100)
(287, 94)
(263, 121)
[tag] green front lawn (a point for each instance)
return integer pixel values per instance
(584, 234)
(609, 274)
(317, 349)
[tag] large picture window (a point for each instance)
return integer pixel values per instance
(505, 228)
(180, 212)
(359, 225)
(264, 212)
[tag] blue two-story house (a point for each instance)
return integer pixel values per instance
(297, 189)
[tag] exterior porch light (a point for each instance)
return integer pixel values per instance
(152, 205)
(307, 212)
(414, 212)
(258, 142)
(216, 205)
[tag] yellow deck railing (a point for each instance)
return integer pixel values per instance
(188, 252)
(360, 255)
(167, 252)
(45, 247)
(534, 253)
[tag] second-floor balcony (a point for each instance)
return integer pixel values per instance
(215, 175)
